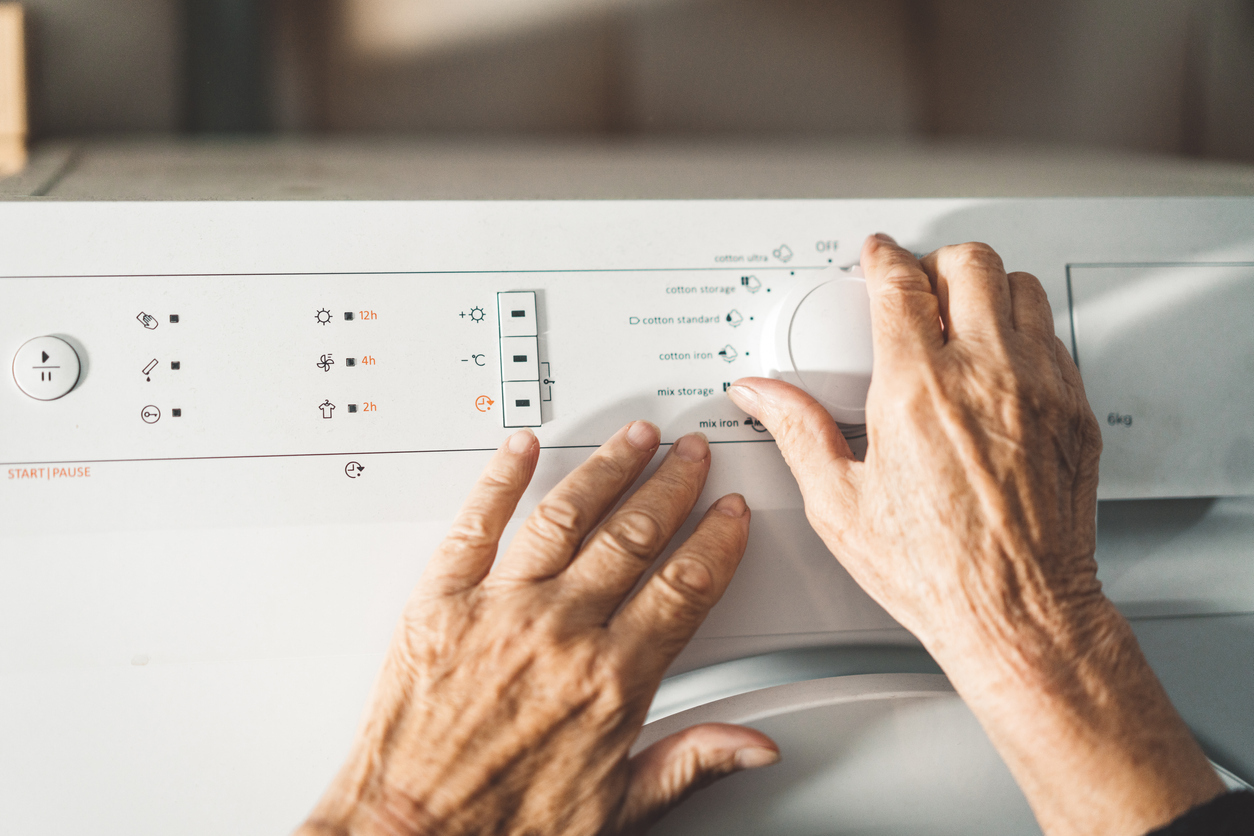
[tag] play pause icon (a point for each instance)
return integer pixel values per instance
(44, 359)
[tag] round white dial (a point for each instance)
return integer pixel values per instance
(819, 338)
(46, 368)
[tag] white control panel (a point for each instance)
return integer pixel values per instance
(520, 359)
(306, 364)
(255, 420)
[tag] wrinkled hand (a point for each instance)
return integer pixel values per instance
(513, 692)
(975, 506)
(972, 521)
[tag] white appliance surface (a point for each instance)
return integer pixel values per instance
(203, 563)
(869, 754)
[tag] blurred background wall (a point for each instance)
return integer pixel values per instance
(1173, 76)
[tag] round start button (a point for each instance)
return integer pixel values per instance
(46, 368)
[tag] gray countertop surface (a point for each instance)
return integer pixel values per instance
(383, 168)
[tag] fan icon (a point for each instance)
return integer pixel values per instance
(323, 316)
(477, 314)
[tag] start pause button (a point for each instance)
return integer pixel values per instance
(46, 368)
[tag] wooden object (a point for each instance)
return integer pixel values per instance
(12, 90)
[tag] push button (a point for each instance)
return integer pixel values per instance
(521, 399)
(46, 368)
(518, 358)
(517, 313)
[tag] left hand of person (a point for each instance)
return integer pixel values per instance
(515, 686)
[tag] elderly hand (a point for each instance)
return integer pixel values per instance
(972, 521)
(974, 512)
(513, 692)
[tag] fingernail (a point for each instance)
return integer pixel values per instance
(886, 238)
(643, 435)
(756, 756)
(733, 505)
(744, 397)
(521, 441)
(693, 447)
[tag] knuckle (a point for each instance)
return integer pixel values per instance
(901, 276)
(471, 531)
(687, 586)
(634, 533)
(799, 424)
(1028, 284)
(902, 306)
(557, 520)
(608, 469)
(973, 254)
(498, 479)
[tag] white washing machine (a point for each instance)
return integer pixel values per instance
(233, 431)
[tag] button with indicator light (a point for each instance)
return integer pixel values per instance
(46, 368)
(517, 313)
(518, 359)
(521, 399)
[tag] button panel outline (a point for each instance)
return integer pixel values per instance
(520, 361)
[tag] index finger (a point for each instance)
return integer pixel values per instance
(550, 536)
(467, 552)
(905, 308)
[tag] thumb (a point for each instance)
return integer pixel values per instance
(806, 433)
(678, 765)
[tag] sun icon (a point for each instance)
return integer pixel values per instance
(477, 314)
(323, 316)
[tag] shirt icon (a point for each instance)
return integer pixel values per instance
(327, 408)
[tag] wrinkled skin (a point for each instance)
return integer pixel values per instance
(977, 499)
(513, 690)
(972, 521)
(512, 693)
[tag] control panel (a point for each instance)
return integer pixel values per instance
(231, 433)
(570, 329)
(189, 367)
(520, 359)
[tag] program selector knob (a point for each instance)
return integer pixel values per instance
(46, 368)
(819, 338)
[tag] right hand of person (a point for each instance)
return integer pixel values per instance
(974, 511)
(972, 521)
